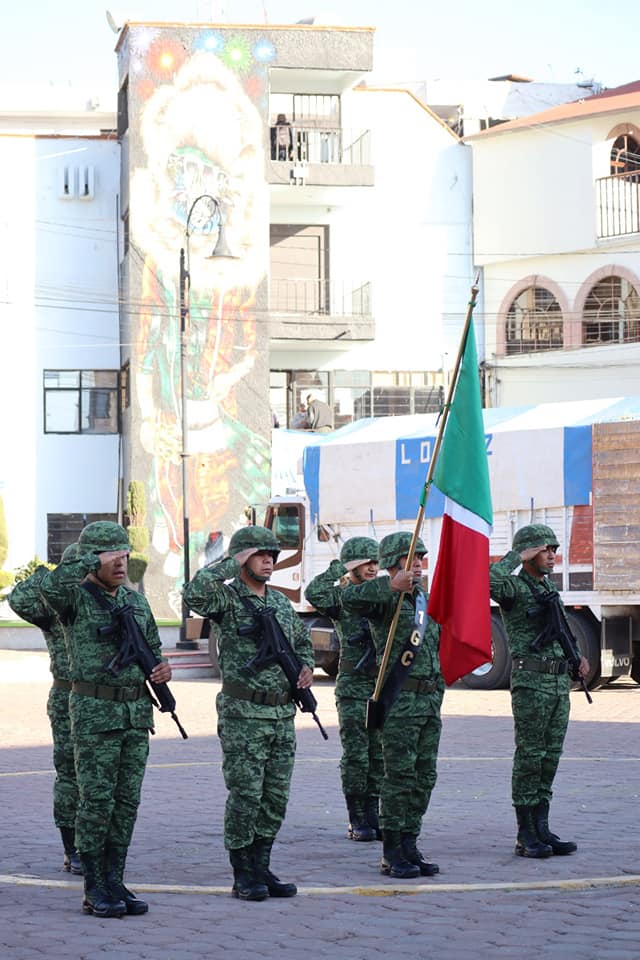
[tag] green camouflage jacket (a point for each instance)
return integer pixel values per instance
(26, 600)
(89, 652)
(209, 595)
(326, 596)
(376, 601)
(515, 598)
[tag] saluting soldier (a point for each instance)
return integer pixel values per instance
(111, 715)
(254, 706)
(540, 684)
(361, 767)
(411, 696)
(26, 600)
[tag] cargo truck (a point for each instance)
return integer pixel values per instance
(573, 466)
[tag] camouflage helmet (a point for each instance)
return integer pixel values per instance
(359, 548)
(396, 545)
(71, 552)
(260, 538)
(534, 535)
(103, 535)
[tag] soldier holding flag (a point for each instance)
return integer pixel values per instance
(408, 709)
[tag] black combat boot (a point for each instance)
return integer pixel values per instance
(541, 821)
(527, 842)
(359, 828)
(97, 899)
(371, 805)
(413, 855)
(262, 858)
(246, 885)
(71, 856)
(394, 863)
(115, 859)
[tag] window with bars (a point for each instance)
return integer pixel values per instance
(534, 322)
(65, 528)
(611, 313)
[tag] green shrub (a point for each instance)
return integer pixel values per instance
(24, 572)
(7, 579)
(137, 532)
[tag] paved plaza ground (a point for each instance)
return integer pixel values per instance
(486, 903)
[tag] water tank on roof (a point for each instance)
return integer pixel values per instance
(327, 18)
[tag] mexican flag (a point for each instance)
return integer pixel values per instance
(459, 599)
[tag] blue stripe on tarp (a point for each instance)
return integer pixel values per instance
(413, 456)
(578, 473)
(311, 475)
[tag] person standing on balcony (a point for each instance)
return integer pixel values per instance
(281, 139)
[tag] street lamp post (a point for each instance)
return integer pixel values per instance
(220, 251)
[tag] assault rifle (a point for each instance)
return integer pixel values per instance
(557, 628)
(273, 647)
(135, 649)
(363, 639)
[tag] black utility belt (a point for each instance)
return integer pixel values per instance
(542, 665)
(346, 669)
(268, 698)
(416, 685)
(102, 692)
(60, 684)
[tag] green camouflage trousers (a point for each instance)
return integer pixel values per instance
(410, 752)
(361, 766)
(110, 767)
(257, 765)
(540, 724)
(65, 787)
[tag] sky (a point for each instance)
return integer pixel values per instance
(70, 41)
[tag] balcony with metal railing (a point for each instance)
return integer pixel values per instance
(618, 205)
(321, 155)
(306, 309)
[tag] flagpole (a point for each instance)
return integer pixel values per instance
(427, 485)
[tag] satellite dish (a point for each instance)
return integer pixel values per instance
(114, 26)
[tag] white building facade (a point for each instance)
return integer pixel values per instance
(60, 362)
(556, 227)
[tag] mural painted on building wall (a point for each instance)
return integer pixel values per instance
(200, 102)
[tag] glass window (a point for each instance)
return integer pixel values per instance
(81, 401)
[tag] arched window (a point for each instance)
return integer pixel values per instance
(534, 322)
(611, 312)
(625, 157)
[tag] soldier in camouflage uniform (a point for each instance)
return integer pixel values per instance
(361, 763)
(255, 709)
(26, 600)
(540, 685)
(411, 731)
(110, 715)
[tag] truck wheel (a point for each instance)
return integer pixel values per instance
(494, 675)
(586, 632)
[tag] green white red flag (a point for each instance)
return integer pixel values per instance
(459, 598)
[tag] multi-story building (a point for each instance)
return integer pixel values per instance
(347, 211)
(60, 360)
(556, 228)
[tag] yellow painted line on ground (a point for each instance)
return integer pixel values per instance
(372, 890)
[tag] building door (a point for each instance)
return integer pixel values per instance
(299, 269)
